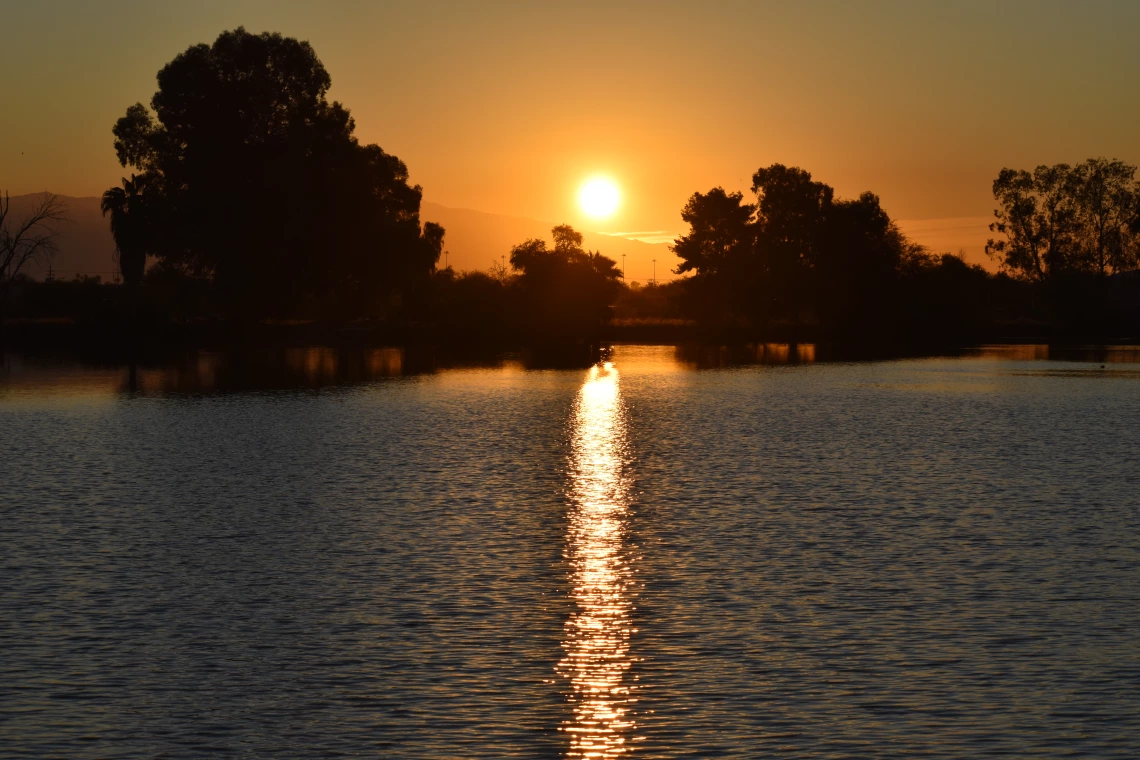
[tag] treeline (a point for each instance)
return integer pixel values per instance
(251, 200)
(795, 262)
(560, 292)
(795, 259)
(799, 255)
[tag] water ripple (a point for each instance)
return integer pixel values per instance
(933, 558)
(598, 633)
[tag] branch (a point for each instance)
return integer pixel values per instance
(34, 237)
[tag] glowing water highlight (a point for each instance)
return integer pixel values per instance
(597, 642)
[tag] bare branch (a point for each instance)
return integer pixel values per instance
(33, 238)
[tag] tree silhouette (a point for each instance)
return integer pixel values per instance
(1066, 220)
(26, 240)
(132, 228)
(797, 253)
(721, 233)
(565, 290)
(264, 187)
(1106, 198)
(792, 210)
(1037, 216)
(720, 251)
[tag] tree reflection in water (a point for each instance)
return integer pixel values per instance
(597, 660)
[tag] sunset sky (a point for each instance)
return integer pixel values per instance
(508, 108)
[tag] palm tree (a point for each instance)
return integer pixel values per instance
(130, 226)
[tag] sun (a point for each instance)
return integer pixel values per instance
(599, 197)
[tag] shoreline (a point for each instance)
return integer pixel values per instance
(427, 348)
(55, 333)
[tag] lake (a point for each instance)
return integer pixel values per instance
(675, 552)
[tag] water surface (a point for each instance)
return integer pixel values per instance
(673, 553)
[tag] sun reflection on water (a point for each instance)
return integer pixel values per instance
(597, 660)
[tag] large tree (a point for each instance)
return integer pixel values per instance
(1106, 197)
(1061, 219)
(565, 290)
(721, 236)
(720, 253)
(791, 222)
(262, 185)
(1037, 216)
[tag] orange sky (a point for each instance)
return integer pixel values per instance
(506, 108)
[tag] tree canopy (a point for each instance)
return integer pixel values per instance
(1064, 220)
(796, 253)
(565, 289)
(255, 180)
(131, 226)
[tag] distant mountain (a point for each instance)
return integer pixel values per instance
(475, 240)
(85, 244)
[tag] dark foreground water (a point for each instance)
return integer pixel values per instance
(921, 558)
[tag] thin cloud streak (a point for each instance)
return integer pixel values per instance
(649, 236)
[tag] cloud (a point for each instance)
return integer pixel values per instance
(648, 236)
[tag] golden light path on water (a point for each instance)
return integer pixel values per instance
(597, 660)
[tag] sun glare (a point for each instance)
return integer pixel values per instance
(599, 197)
